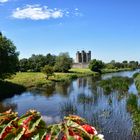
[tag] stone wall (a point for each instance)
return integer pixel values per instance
(80, 65)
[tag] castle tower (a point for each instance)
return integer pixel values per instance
(83, 57)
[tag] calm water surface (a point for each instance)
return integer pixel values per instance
(82, 97)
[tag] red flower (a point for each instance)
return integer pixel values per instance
(48, 137)
(64, 137)
(90, 129)
(71, 133)
(27, 120)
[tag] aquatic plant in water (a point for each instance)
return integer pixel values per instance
(67, 108)
(115, 83)
(31, 126)
(85, 99)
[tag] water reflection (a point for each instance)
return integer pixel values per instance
(68, 107)
(64, 88)
(7, 106)
(108, 113)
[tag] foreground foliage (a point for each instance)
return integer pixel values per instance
(31, 126)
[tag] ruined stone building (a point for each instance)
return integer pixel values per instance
(83, 57)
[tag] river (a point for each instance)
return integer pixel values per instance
(83, 97)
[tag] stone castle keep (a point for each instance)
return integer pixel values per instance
(82, 59)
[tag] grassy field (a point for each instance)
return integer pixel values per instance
(33, 79)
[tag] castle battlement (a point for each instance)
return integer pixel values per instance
(83, 57)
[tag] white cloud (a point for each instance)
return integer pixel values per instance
(37, 12)
(2, 1)
(76, 9)
(77, 13)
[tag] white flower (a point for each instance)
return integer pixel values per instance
(100, 136)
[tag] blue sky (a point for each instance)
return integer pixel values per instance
(109, 28)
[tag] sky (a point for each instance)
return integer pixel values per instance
(109, 28)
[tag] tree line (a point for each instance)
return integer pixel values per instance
(10, 63)
(98, 65)
(60, 63)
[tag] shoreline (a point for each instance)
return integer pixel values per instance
(37, 79)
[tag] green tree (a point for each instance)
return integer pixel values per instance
(36, 62)
(50, 59)
(8, 57)
(133, 64)
(63, 62)
(109, 66)
(23, 65)
(96, 65)
(48, 71)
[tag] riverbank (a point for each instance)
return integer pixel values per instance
(115, 70)
(8, 89)
(37, 79)
(137, 82)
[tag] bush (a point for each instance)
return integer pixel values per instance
(96, 65)
(48, 71)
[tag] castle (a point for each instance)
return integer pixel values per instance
(82, 59)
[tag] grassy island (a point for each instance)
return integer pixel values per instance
(33, 79)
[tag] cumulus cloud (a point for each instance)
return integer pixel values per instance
(37, 12)
(3, 1)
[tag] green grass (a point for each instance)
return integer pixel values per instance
(33, 79)
(115, 83)
(137, 82)
(80, 70)
(29, 79)
(115, 70)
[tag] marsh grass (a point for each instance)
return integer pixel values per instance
(132, 103)
(137, 81)
(85, 99)
(67, 108)
(115, 70)
(115, 83)
(134, 109)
